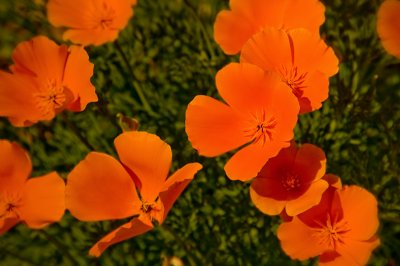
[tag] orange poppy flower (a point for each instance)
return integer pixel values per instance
(90, 22)
(261, 111)
(37, 202)
(233, 28)
(291, 181)
(45, 80)
(103, 188)
(302, 60)
(335, 230)
(388, 26)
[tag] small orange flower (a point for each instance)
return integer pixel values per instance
(233, 28)
(388, 26)
(341, 229)
(261, 111)
(91, 21)
(45, 80)
(291, 181)
(36, 201)
(303, 61)
(103, 188)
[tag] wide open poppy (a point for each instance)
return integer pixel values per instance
(37, 202)
(45, 80)
(303, 61)
(341, 229)
(388, 26)
(103, 188)
(260, 113)
(233, 28)
(291, 181)
(90, 22)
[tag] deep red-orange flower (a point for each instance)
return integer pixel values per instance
(302, 60)
(45, 80)
(37, 202)
(388, 26)
(259, 115)
(291, 181)
(103, 188)
(341, 229)
(233, 28)
(90, 22)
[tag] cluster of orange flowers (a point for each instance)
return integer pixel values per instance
(284, 71)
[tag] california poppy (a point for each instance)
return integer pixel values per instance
(37, 202)
(291, 181)
(341, 229)
(260, 112)
(91, 21)
(233, 28)
(103, 188)
(388, 26)
(45, 80)
(303, 61)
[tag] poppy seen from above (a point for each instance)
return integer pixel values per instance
(90, 22)
(259, 116)
(45, 80)
(388, 26)
(291, 181)
(103, 188)
(233, 28)
(302, 60)
(341, 229)
(37, 202)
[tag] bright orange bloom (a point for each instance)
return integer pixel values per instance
(45, 80)
(261, 111)
(103, 188)
(233, 28)
(37, 202)
(291, 181)
(303, 61)
(90, 22)
(340, 229)
(388, 26)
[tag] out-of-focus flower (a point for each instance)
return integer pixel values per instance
(45, 80)
(103, 188)
(341, 229)
(90, 22)
(303, 61)
(291, 181)
(233, 28)
(260, 112)
(388, 26)
(37, 202)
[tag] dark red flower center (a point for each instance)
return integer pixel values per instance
(294, 79)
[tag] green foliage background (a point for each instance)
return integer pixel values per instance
(170, 47)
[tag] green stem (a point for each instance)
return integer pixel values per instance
(136, 86)
(60, 247)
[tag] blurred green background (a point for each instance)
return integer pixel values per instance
(170, 47)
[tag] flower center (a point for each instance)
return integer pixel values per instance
(290, 182)
(153, 211)
(107, 17)
(261, 128)
(51, 98)
(331, 233)
(8, 205)
(294, 79)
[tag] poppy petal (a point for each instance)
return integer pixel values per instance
(354, 252)
(208, 125)
(309, 199)
(129, 230)
(298, 241)
(87, 37)
(7, 223)
(78, 72)
(310, 163)
(99, 188)
(307, 14)
(247, 163)
(316, 91)
(265, 204)
(176, 183)
(43, 201)
(359, 206)
(388, 26)
(72, 13)
(148, 157)
(15, 166)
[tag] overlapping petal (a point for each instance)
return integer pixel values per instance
(388, 26)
